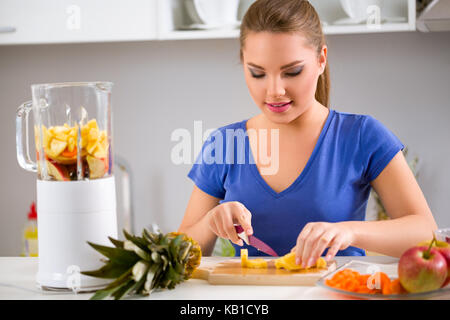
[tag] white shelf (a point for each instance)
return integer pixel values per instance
(173, 15)
(51, 21)
(200, 34)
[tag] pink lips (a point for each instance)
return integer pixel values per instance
(278, 109)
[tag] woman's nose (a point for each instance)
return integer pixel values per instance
(276, 88)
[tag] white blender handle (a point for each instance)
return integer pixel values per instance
(23, 156)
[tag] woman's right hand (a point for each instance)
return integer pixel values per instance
(221, 220)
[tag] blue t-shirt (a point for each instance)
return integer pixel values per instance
(334, 186)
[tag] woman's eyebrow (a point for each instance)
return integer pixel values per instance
(283, 67)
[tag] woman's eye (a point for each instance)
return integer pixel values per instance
(257, 75)
(295, 72)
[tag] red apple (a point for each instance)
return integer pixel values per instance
(422, 269)
(59, 172)
(445, 252)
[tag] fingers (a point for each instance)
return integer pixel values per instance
(244, 218)
(336, 245)
(321, 244)
(309, 244)
(230, 231)
(301, 243)
(223, 217)
(316, 237)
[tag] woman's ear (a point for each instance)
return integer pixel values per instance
(323, 58)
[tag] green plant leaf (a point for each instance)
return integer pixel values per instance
(108, 271)
(116, 243)
(123, 290)
(116, 255)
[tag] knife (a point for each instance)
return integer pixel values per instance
(254, 241)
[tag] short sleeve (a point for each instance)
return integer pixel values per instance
(378, 146)
(207, 173)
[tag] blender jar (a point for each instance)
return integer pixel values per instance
(72, 131)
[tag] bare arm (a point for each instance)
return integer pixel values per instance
(411, 219)
(411, 223)
(195, 224)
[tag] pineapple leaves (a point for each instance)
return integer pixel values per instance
(174, 247)
(141, 264)
(108, 271)
(116, 243)
(117, 255)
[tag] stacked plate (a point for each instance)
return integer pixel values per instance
(212, 14)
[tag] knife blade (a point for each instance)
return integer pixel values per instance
(254, 241)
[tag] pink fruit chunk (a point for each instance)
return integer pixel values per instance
(57, 171)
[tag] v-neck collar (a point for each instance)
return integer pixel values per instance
(305, 170)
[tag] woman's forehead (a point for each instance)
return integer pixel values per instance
(278, 48)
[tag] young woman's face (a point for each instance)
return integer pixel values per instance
(280, 68)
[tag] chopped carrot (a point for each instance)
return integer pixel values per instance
(396, 287)
(353, 281)
(66, 153)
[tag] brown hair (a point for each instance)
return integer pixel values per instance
(289, 16)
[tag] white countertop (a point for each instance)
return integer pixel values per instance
(17, 281)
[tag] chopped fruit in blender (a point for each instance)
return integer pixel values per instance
(69, 154)
(71, 144)
(57, 146)
(60, 146)
(97, 167)
(59, 172)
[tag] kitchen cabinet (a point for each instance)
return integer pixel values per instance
(395, 15)
(68, 21)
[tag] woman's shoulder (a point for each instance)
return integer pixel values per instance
(356, 121)
(230, 128)
(351, 117)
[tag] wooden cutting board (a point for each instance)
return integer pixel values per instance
(230, 272)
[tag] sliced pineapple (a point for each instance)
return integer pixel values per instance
(244, 257)
(57, 146)
(288, 262)
(258, 263)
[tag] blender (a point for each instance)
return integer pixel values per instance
(76, 199)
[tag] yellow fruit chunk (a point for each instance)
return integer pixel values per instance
(253, 263)
(92, 124)
(244, 257)
(321, 263)
(57, 146)
(258, 263)
(71, 144)
(288, 262)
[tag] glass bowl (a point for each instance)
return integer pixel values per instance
(391, 271)
(443, 235)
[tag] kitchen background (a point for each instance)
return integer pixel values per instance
(400, 78)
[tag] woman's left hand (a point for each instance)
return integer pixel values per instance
(317, 236)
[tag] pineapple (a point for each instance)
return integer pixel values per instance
(141, 264)
(258, 263)
(288, 262)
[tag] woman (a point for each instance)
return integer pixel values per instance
(314, 202)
